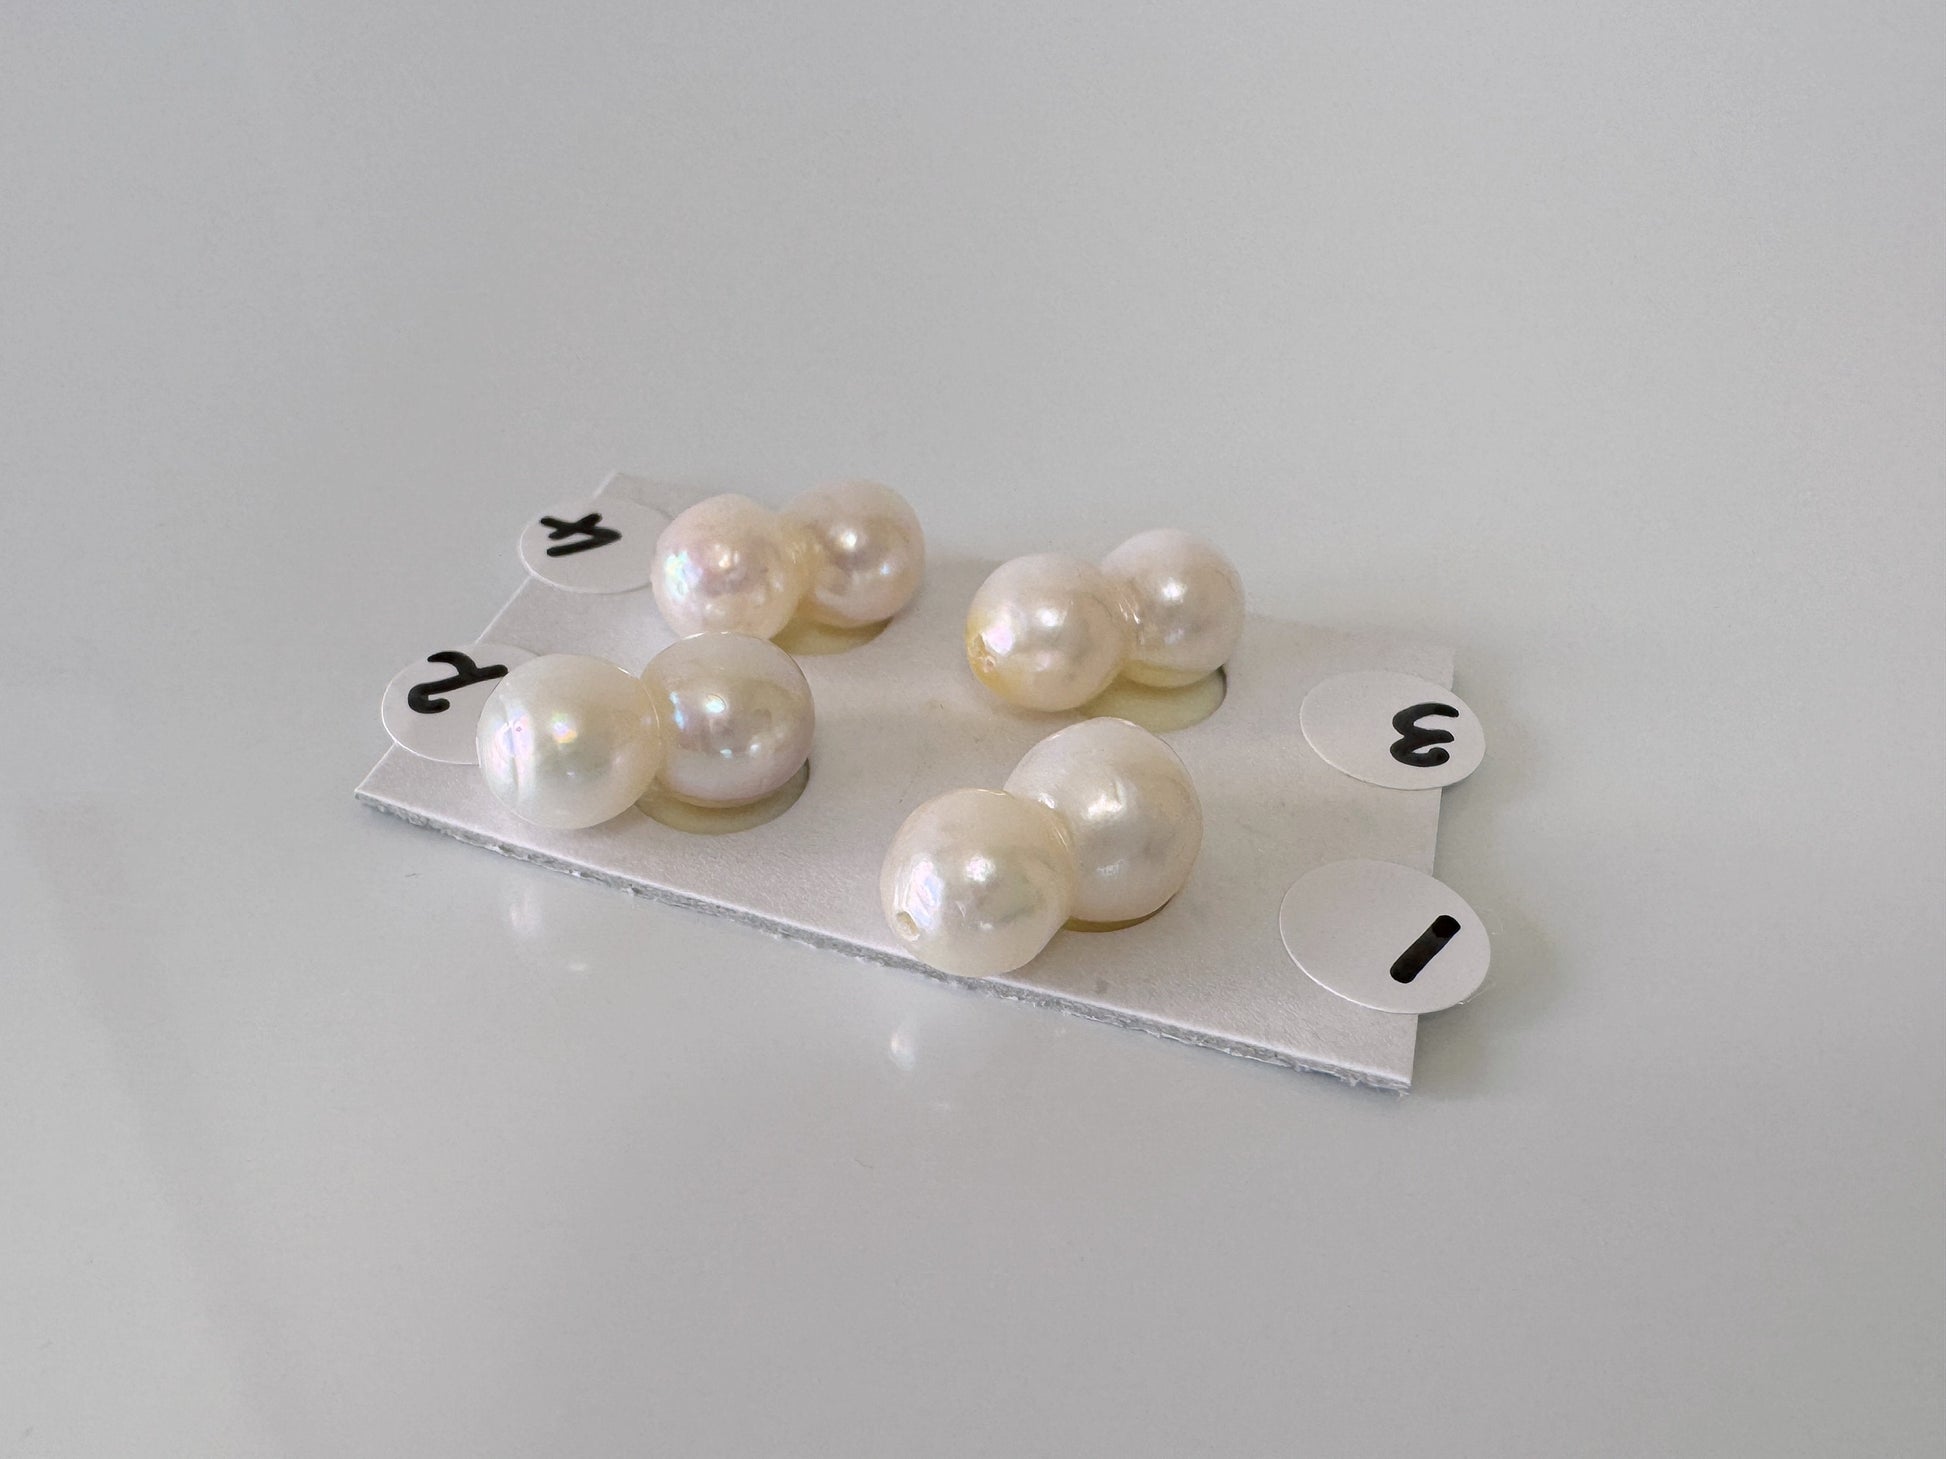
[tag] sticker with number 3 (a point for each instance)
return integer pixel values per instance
(1391, 729)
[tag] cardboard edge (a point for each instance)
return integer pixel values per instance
(1256, 1053)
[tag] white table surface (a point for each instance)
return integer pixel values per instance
(1601, 341)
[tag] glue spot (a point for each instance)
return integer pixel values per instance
(699, 820)
(1160, 710)
(802, 638)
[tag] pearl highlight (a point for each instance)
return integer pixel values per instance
(1130, 808)
(1047, 631)
(1098, 822)
(1051, 632)
(847, 555)
(977, 882)
(1185, 603)
(568, 741)
(866, 553)
(728, 565)
(736, 717)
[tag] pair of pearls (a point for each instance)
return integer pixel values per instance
(846, 556)
(720, 719)
(1052, 631)
(1099, 822)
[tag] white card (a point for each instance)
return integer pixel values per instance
(901, 719)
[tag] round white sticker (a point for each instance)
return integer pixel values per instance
(601, 545)
(1391, 729)
(1384, 936)
(432, 708)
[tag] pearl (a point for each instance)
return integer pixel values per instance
(1099, 821)
(1163, 610)
(736, 717)
(568, 741)
(1046, 632)
(867, 552)
(842, 556)
(1185, 605)
(978, 881)
(728, 565)
(1130, 808)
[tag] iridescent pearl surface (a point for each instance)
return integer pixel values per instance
(1047, 631)
(568, 741)
(728, 565)
(1131, 811)
(977, 881)
(1185, 606)
(867, 552)
(736, 717)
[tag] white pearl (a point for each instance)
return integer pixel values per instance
(728, 565)
(736, 717)
(868, 552)
(568, 741)
(978, 881)
(1185, 602)
(1046, 631)
(1131, 812)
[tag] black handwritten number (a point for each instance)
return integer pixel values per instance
(588, 528)
(1419, 746)
(419, 698)
(1413, 960)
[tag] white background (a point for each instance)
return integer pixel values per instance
(1605, 341)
